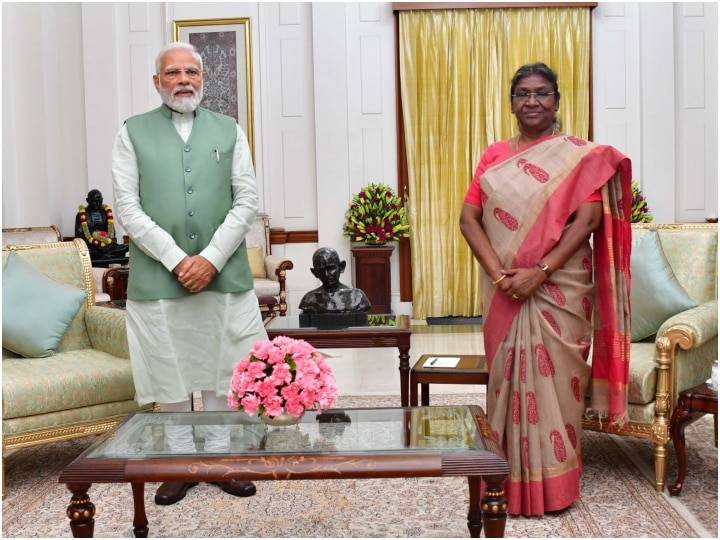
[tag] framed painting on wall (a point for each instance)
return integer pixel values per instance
(224, 45)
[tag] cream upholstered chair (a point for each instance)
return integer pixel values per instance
(24, 236)
(68, 376)
(676, 344)
(269, 271)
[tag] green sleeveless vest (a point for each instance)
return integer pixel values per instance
(186, 189)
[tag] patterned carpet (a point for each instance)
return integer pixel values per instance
(618, 499)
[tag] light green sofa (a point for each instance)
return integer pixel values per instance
(86, 387)
(680, 354)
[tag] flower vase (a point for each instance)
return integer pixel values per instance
(374, 243)
(284, 420)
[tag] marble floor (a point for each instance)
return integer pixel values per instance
(375, 371)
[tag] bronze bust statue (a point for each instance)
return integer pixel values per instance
(95, 224)
(333, 296)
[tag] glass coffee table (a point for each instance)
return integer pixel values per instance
(347, 443)
(354, 337)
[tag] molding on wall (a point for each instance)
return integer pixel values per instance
(278, 235)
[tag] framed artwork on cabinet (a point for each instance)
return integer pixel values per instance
(224, 45)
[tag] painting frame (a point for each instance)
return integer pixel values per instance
(231, 38)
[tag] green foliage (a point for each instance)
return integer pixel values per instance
(640, 209)
(381, 320)
(376, 215)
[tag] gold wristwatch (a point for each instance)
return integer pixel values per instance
(544, 267)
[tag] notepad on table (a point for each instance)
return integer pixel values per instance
(441, 361)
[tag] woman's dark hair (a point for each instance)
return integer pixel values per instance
(530, 69)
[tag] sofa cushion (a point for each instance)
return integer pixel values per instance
(655, 293)
(266, 287)
(257, 264)
(37, 310)
(68, 380)
(642, 377)
(69, 418)
(691, 251)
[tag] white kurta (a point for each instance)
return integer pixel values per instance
(187, 344)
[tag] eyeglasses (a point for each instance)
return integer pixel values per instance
(173, 73)
(542, 97)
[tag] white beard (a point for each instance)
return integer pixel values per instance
(182, 105)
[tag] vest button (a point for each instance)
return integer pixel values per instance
(191, 213)
(193, 236)
(188, 169)
(190, 191)
(187, 148)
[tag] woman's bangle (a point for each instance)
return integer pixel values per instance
(498, 280)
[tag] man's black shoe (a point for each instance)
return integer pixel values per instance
(237, 488)
(172, 492)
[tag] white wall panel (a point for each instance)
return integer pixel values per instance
(692, 166)
(371, 80)
(369, 12)
(296, 154)
(332, 99)
(142, 90)
(615, 88)
(696, 147)
(616, 134)
(657, 104)
(289, 13)
(138, 17)
(693, 82)
(288, 115)
(373, 151)
(291, 77)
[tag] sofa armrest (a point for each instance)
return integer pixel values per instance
(106, 329)
(695, 331)
(276, 267)
(693, 327)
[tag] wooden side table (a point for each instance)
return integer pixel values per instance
(471, 369)
(692, 404)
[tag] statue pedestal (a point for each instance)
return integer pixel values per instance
(332, 320)
(372, 275)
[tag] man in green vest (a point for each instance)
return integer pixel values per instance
(185, 194)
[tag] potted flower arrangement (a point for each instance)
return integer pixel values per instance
(640, 210)
(376, 216)
(280, 379)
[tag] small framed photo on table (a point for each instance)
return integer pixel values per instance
(224, 45)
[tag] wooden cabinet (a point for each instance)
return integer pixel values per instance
(372, 275)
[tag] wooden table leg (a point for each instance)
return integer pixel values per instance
(140, 521)
(404, 375)
(677, 434)
(474, 512)
(81, 511)
(494, 506)
(425, 394)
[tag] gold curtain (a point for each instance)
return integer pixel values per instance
(455, 72)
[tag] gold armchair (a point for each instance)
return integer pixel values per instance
(680, 355)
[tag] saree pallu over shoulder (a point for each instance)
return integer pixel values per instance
(527, 201)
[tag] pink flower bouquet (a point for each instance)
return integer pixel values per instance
(282, 375)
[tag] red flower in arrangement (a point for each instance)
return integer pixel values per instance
(376, 214)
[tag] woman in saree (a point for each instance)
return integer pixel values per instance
(548, 299)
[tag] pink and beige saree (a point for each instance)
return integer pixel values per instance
(537, 349)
